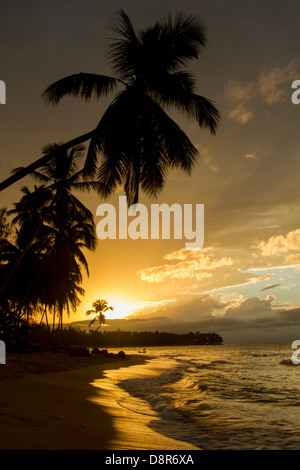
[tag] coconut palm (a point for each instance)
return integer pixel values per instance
(62, 175)
(99, 307)
(72, 228)
(28, 213)
(54, 227)
(18, 265)
(62, 264)
(5, 227)
(136, 142)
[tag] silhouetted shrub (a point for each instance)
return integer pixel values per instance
(79, 352)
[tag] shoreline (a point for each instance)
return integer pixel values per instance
(56, 402)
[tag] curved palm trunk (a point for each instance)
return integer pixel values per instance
(47, 323)
(43, 160)
(91, 336)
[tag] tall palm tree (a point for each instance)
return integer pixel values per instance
(62, 175)
(19, 262)
(71, 229)
(136, 139)
(62, 267)
(54, 227)
(29, 215)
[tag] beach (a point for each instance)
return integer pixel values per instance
(51, 401)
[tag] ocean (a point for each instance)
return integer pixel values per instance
(227, 397)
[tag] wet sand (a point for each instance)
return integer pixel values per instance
(57, 402)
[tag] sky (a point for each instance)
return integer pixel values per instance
(244, 282)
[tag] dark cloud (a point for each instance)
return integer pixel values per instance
(253, 320)
(270, 287)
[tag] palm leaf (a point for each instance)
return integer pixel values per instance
(89, 312)
(123, 51)
(183, 37)
(80, 84)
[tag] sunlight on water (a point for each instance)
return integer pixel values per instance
(219, 397)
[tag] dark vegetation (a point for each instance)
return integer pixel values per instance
(37, 337)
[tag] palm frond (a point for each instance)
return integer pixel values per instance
(80, 84)
(123, 51)
(87, 186)
(204, 111)
(90, 312)
(184, 36)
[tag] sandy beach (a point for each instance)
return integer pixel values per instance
(51, 401)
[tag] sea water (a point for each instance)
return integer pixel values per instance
(235, 397)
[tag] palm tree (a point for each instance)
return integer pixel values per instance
(136, 139)
(64, 257)
(29, 213)
(19, 262)
(53, 229)
(5, 227)
(99, 307)
(61, 175)
(71, 229)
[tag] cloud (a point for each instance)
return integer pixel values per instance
(270, 287)
(182, 270)
(293, 259)
(245, 319)
(250, 156)
(272, 86)
(207, 158)
(236, 92)
(191, 264)
(281, 245)
(243, 308)
(241, 114)
(289, 286)
(271, 83)
(235, 317)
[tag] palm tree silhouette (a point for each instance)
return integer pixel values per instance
(29, 214)
(53, 229)
(72, 228)
(20, 258)
(99, 307)
(135, 141)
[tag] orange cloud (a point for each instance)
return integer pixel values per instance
(272, 86)
(280, 244)
(192, 264)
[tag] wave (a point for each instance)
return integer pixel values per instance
(216, 403)
(135, 406)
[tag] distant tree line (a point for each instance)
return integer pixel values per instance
(38, 335)
(149, 338)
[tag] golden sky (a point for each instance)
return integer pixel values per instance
(244, 282)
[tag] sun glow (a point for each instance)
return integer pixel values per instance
(122, 308)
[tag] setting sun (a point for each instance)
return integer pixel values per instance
(122, 308)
